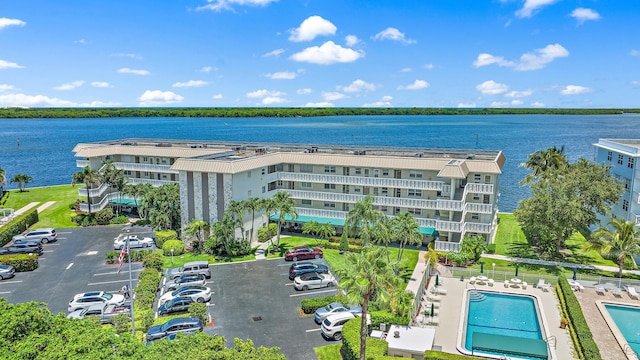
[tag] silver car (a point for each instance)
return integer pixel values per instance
(84, 300)
(314, 281)
(44, 235)
(135, 241)
(197, 293)
(7, 272)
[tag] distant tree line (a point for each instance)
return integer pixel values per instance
(252, 112)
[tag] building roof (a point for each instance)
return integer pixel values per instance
(411, 339)
(94, 150)
(630, 147)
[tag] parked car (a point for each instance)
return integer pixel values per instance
(44, 235)
(175, 305)
(197, 293)
(135, 241)
(184, 280)
(302, 253)
(192, 267)
(84, 300)
(21, 249)
(332, 326)
(7, 272)
(300, 268)
(186, 325)
(314, 281)
(105, 312)
(335, 308)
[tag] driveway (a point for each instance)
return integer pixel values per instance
(256, 300)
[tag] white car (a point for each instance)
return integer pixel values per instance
(197, 293)
(314, 281)
(134, 241)
(84, 300)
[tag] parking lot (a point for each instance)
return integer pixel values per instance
(250, 300)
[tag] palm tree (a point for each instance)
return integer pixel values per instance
(363, 217)
(88, 177)
(623, 242)
(382, 233)
(310, 227)
(325, 231)
(363, 274)
(116, 179)
(406, 230)
(22, 180)
(284, 205)
(542, 161)
(236, 210)
(199, 229)
(253, 204)
(3, 177)
(224, 233)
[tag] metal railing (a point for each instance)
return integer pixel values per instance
(360, 180)
(145, 167)
(94, 192)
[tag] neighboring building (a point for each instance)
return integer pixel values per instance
(450, 192)
(622, 155)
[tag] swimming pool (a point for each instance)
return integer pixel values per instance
(627, 319)
(501, 324)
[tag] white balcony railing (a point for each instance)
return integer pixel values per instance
(479, 208)
(145, 167)
(82, 163)
(477, 227)
(361, 181)
(479, 188)
(93, 192)
(153, 182)
(99, 205)
(446, 246)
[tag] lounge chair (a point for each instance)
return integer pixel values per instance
(490, 282)
(617, 292)
(434, 298)
(632, 293)
(543, 286)
(524, 284)
(472, 280)
(600, 290)
(441, 291)
(506, 283)
(433, 320)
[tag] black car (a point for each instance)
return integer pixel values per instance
(300, 268)
(186, 325)
(176, 305)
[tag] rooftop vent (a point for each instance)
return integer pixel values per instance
(311, 150)
(163, 144)
(359, 152)
(471, 156)
(420, 154)
(396, 334)
(261, 150)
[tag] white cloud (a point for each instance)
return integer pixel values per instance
(575, 90)
(264, 93)
(384, 102)
(157, 97)
(303, 91)
(327, 54)
(406, 70)
(635, 82)
(466, 105)
(357, 86)
(537, 104)
(69, 86)
(516, 102)
(531, 7)
(206, 69)
(217, 96)
(6, 22)
(319, 104)
(127, 55)
(311, 27)
(530, 61)
(282, 75)
(9, 65)
(518, 94)
(190, 84)
(133, 71)
(634, 52)
(270, 100)
(100, 84)
(6, 87)
(417, 85)
(428, 66)
(81, 42)
(392, 34)
(274, 53)
(332, 96)
(220, 5)
(43, 100)
(492, 88)
(499, 104)
(351, 40)
(584, 14)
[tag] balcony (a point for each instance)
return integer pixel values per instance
(479, 188)
(478, 227)
(360, 181)
(82, 163)
(100, 205)
(93, 192)
(154, 183)
(446, 246)
(479, 208)
(145, 167)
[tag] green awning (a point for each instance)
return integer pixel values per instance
(429, 231)
(124, 201)
(509, 345)
(301, 219)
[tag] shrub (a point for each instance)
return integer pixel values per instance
(164, 235)
(491, 249)
(121, 323)
(431, 255)
(385, 317)
(176, 245)
(145, 291)
(17, 226)
(144, 319)
(309, 306)
(104, 216)
(111, 257)
(376, 349)
(152, 261)
(352, 248)
(21, 262)
(583, 340)
(198, 311)
(437, 355)
(268, 232)
(122, 219)
(344, 242)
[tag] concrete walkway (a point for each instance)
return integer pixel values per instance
(418, 273)
(45, 205)
(25, 208)
(558, 263)
(262, 249)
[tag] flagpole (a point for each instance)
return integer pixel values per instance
(133, 329)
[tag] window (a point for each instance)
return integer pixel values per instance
(145, 159)
(356, 189)
(376, 173)
(385, 172)
(609, 155)
(415, 211)
(475, 217)
(263, 171)
(330, 205)
(358, 171)
(330, 169)
(415, 174)
(620, 158)
(249, 193)
(476, 197)
(487, 179)
(249, 174)
(306, 185)
(306, 168)
(280, 183)
(626, 182)
(329, 186)
(366, 172)
(625, 205)
(264, 189)
(630, 162)
(384, 209)
(476, 177)
(128, 172)
(414, 192)
(305, 202)
(146, 173)
(375, 191)
(385, 191)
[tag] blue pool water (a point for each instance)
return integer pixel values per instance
(502, 314)
(627, 319)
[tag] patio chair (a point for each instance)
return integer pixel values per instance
(441, 291)
(617, 292)
(600, 290)
(543, 286)
(472, 280)
(490, 282)
(506, 283)
(433, 320)
(524, 285)
(632, 293)
(434, 298)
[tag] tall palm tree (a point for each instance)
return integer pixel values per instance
(382, 233)
(224, 233)
(405, 230)
(116, 179)
(199, 229)
(253, 204)
(3, 177)
(363, 274)
(325, 231)
(89, 177)
(363, 217)
(623, 242)
(22, 180)
(543, 161)
(284, 205)
(236, 210)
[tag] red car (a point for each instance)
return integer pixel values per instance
(302, 253)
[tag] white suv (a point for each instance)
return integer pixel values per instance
(45, 235)
(332, 325)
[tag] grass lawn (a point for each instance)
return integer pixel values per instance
(328, 352)
(57, 215)
(178, 261)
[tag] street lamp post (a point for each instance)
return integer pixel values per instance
(494, 270)
(171, 256)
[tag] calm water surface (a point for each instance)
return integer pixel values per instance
(46, 144)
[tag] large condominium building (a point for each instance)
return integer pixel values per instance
(451, 193)
(623, 156)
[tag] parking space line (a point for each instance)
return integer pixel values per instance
(283, 274)
(313, 330)
(110, 282)
(5, 292)
(312, 293)
(115, 272)
(10, 282)
(65, 232)
(41, 258)
(69, 266)
(289, 284)
(47, 251)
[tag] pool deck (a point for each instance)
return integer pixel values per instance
(451, 311)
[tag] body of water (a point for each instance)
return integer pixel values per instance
(45, 145)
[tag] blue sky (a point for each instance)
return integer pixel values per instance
(299, 53)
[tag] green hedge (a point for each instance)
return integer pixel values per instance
(585, 345)
(164, 235)
(376, 348)
(145, 291)
(385, 317)
(176, 245)
(309, 306)
(17, 226)
(21, 262)
(352, 248)
(111, 257)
